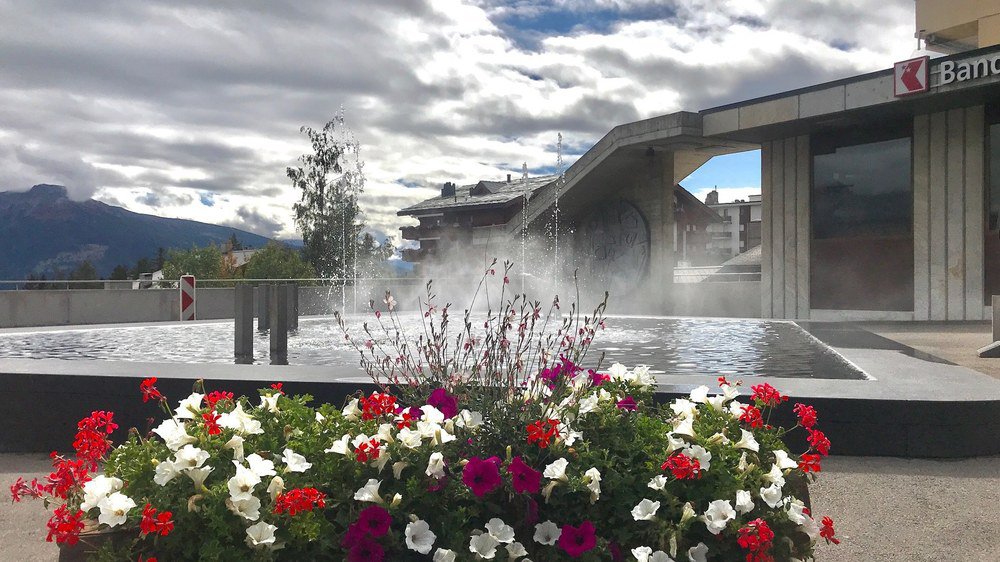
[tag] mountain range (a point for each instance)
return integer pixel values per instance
(42, 231)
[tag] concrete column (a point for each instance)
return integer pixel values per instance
(659, 192)
(243, 314)
(996, 317)
(263, 307)
(278, 315)
(293, 305)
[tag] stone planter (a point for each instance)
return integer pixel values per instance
(91, 540)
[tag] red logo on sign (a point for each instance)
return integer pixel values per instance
(911, 76)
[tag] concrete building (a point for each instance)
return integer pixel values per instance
(954, 26)
(739, 229)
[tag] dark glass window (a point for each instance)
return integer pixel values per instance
(862, 220)
(991, 247)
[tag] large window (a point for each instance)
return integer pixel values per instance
(862, 220)
(992, 242)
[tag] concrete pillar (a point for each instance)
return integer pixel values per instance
(278, 315)
(996, 317)
(659, 191)
(263, 307)
(243, 314)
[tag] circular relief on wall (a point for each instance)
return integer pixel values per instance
(613, 247)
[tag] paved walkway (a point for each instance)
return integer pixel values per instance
(884, 509)
(955, 341)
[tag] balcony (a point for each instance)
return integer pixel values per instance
(420, 232)
(415, 255)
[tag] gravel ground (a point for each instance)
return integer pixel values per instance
(908, 510)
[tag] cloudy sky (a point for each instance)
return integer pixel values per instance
(192, 109)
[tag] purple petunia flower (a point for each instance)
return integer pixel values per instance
(482, 475)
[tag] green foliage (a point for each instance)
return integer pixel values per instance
(204, 262)
(277, 261)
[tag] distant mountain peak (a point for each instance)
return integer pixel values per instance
(48, 191)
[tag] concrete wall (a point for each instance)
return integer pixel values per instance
(948, 211)
(731, 300)
(785, 228)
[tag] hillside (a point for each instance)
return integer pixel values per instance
(43, 231)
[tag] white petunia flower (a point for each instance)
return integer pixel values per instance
(516, 550)
(658, 482)
(642, 553)
(190, 407)
(747, 441)
(369, 492)
(775, 476)
(174, 434)
(771, 495)
(270, 403)
(687, 513)
(470, 420)
(660, 556)
(744, 502)
(718, 514)
(547, 533)
(114, 509)
(645, 510)
(419, 536)
(674, 443)
(500, 530)
(248, 508)
(796, 512)
(240, 421)
(717, 402)
(643, 377)
(435, 465)
(397, 469)
(409, 438)
(698, 553)
(698, 452)
(295, 462)
(259, 466)
(275, 488)
(484, 545)
(782, 460)
(684, 407)
(236, 444)
(351, 412)
(593, 479)
(684, 426)
(165, 472)
(261, 534)
(557, 470)
(320, 418)
(97, 489)
(199, 475)
(340, 446)
(700, 395)
(242, 484)
(431, 414)
(444, 555)
(729, 391)
(736, 408)
(189, 457)
(618, 371)
(588, 404)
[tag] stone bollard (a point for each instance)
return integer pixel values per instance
(263, 307)
(278, 313)
(243, 314)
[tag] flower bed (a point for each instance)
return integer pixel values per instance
(513, 452)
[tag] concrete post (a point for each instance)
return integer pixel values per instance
(293, 306)
(659, 187)
(278, 313)
(243, 314)
(263, 307)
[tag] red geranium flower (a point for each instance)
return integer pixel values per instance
(212, 423)
(379, 403)
(809, 463)
(819, 442)
(806, 414)
(577, 540)
(212, 398)
(277, 386)
(826, 531)
(297, 500)
(682, 466)
(541, 432)
(368, 450)
(149, 391)
(65, 526)
(756, 537)
(751, 416)
(21, 489)
(767, 394)
(482, 476)
(153, 522)
(525, 478)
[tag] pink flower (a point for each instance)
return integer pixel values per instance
(577, 540)
(627, 404)
(525, 478)
(366, 550)
(597, 379)
(374, 521)
(353, 536)
(482, 476)
(444, 402)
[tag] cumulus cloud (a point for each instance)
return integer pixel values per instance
(166, 106)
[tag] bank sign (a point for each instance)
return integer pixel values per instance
(914, 76)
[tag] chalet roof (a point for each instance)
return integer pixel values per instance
(482, 194)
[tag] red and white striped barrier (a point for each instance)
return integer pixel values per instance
(187, 297)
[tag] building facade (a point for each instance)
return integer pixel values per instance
(740, 229)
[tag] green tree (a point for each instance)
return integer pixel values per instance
(119, 273)
(234, 242)
(277, 261)
(144, 265)
(372, 256)
(327, 213)
(204, 262)
(85, 271)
